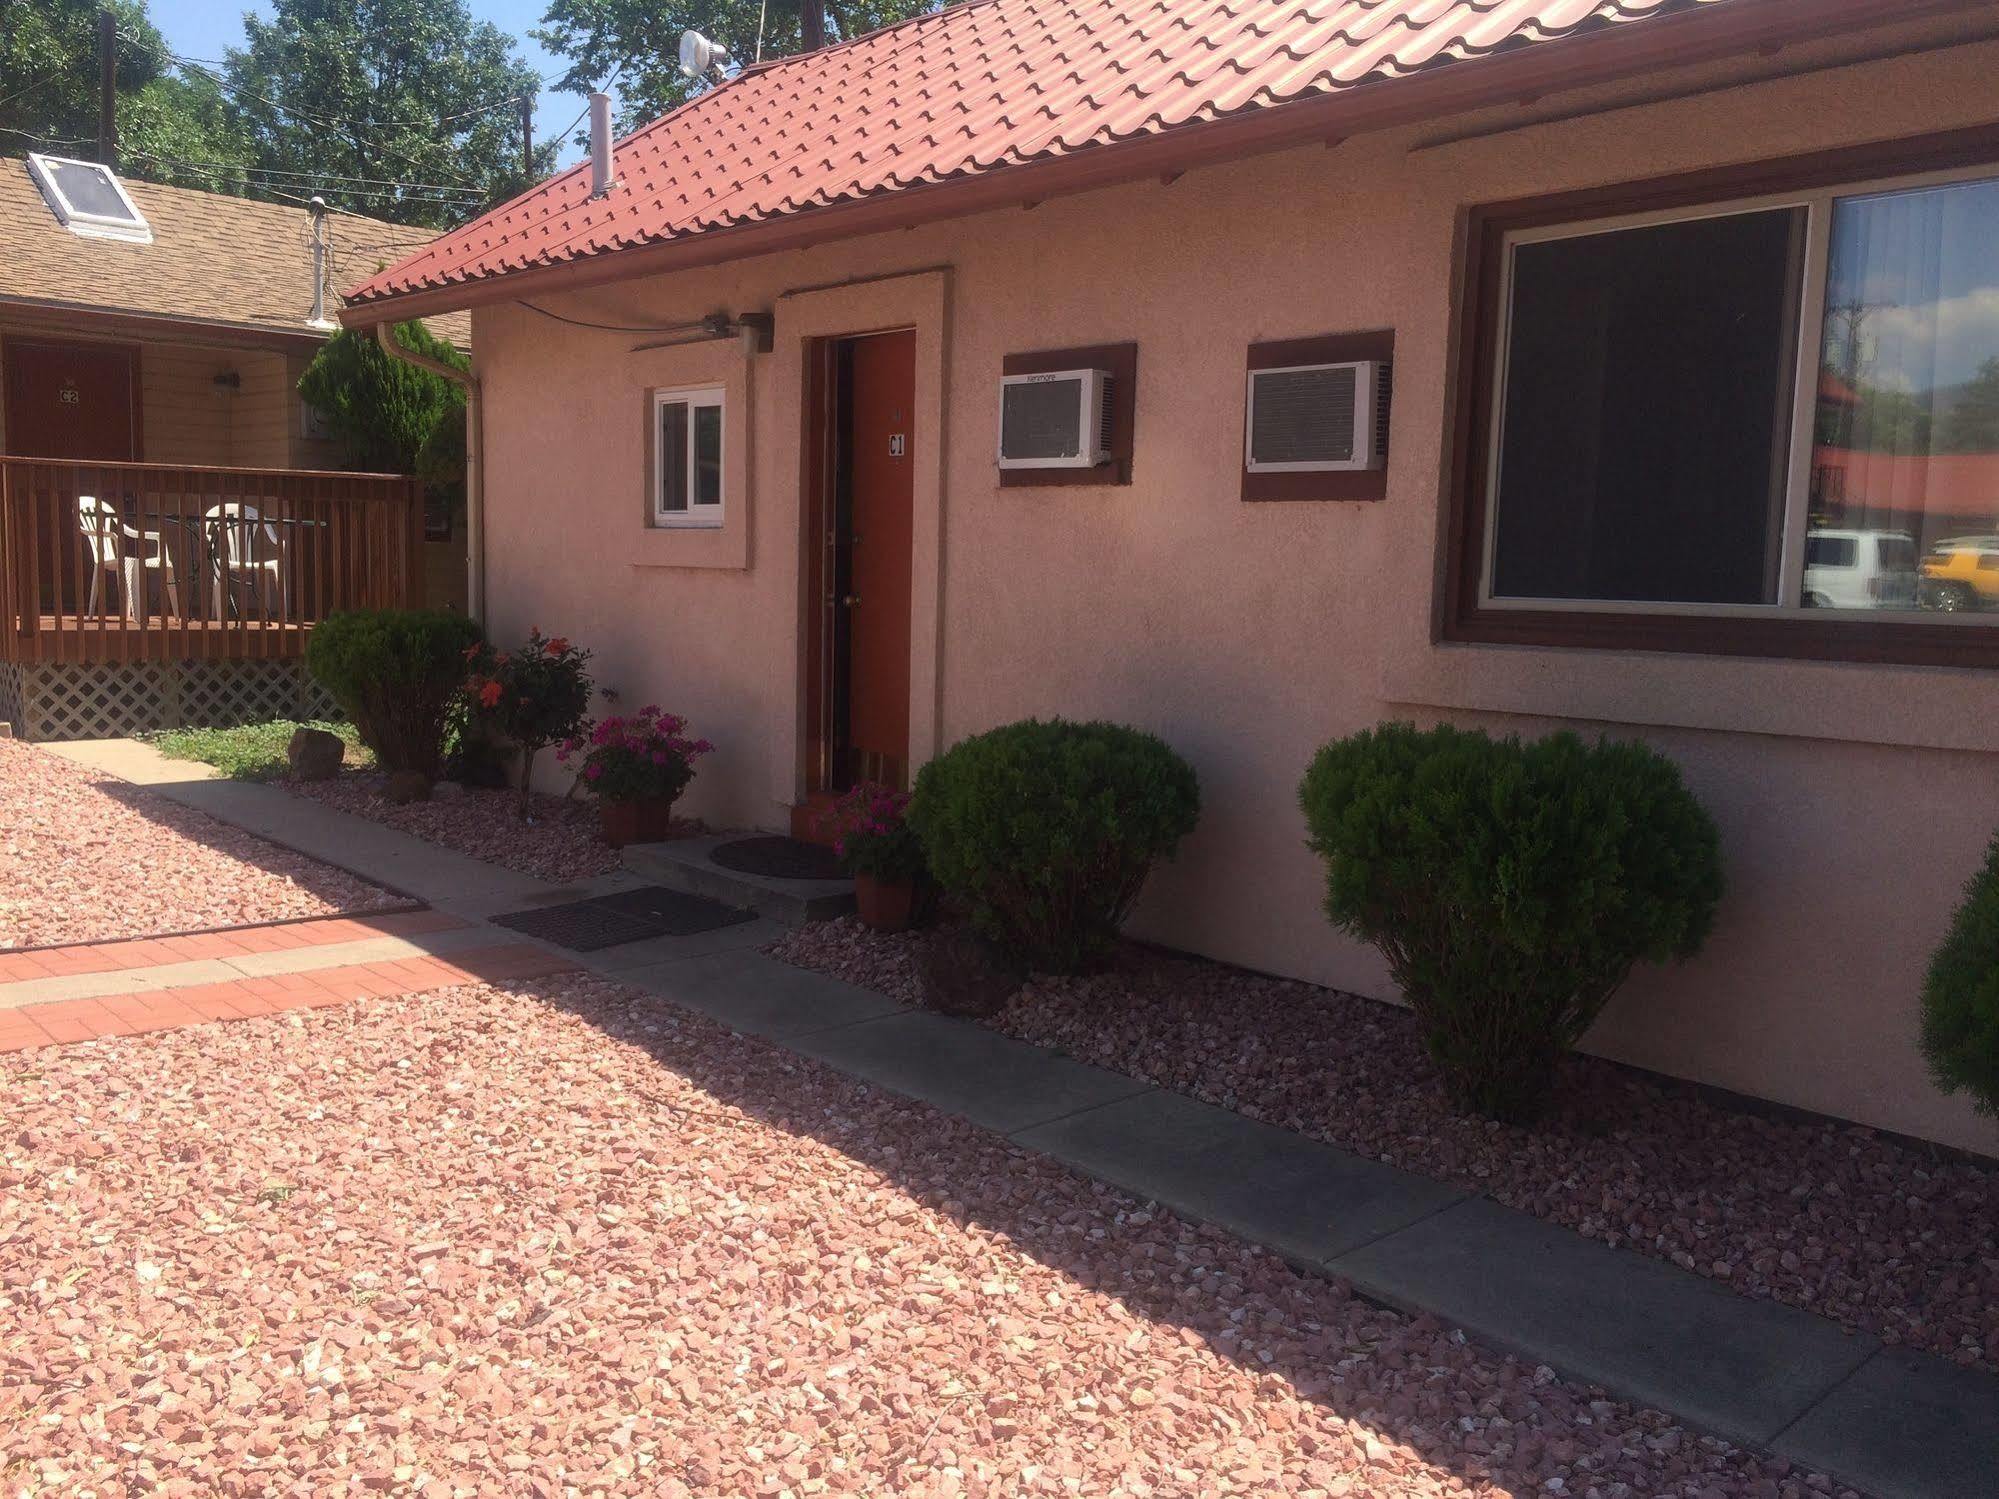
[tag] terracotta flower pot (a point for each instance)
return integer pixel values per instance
(885, 905)
(619, 821)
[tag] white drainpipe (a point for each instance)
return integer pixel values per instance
(475, 479)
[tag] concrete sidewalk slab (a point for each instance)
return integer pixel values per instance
(962, 1068)
(742, 936)
(1905, 1426)
(684, 865)
(382, 855)
(1305, 1199)
(1653, 1333)
(753, 993)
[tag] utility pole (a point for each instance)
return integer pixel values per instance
(107, 83)
(527, 135)
(811, 25)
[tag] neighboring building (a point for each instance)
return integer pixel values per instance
(1679, 298)
(158, 326)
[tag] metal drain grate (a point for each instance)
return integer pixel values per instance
(628, 916)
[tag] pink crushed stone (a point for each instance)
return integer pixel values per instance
(481, 1242)
(1874, 1232)
(561, 843)
(85, 857)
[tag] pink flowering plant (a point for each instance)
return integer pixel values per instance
(874, 836)
(634, 757)
(530, 697)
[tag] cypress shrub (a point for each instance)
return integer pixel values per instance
(1511, 887)
(396, 673)
(1046, 831)
(1960, 1034)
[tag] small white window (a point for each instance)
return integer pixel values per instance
(687, 457)
(88, 199)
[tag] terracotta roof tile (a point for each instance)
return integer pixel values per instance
(979, 86)
(214, 259)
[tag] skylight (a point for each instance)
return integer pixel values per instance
(88, 199)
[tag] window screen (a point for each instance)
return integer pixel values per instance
(1644, 429)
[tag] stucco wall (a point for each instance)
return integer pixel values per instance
(1854, 800)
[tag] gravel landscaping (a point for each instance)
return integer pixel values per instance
(560, 844)
(85, 857)
(1873, 1232)
(482, 1242)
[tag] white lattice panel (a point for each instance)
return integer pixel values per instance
(110, 699)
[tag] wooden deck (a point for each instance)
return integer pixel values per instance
(135, 562)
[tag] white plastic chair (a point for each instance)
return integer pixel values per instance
(107, 536)
(248, 547)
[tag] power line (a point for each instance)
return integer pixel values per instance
(23, 93)
(289, 175)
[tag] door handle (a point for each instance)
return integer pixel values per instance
(851, 599)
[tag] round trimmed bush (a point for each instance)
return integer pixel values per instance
(1961, 995)
(1511, 887)
(396, 673)
(1046, 831)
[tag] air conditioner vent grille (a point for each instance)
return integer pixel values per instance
(1304, 415)
(1040, 421)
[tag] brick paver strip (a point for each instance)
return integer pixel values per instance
(152, 952)
(63, 1021)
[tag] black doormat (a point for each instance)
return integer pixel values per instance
(628, 916)
(777, 858)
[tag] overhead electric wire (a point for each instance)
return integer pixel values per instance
(24, 92)
(308, 178)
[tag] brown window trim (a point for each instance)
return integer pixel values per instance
(1120, 362)
(1459, 615)
(1327, 348)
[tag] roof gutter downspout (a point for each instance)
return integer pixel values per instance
(475, 474)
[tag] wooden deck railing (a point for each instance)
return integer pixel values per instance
(156, 562)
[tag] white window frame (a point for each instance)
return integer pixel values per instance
(1809, 312)
(697, 516)
(134, 230)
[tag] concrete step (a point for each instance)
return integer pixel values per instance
(684, 865)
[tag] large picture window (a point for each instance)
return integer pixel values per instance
(687, 458)
(1780, 411)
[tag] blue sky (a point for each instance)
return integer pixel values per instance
(206, 28)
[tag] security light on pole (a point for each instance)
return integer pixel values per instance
(701, 58)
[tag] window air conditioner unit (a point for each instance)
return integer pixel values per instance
(1057, 420)
(1317, 418)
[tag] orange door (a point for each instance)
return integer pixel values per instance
(72, 400)
(879, 546)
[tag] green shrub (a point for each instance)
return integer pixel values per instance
(1046, 831)
(1961, 994)
(1511, 887)
(395, 673)
(529, 698)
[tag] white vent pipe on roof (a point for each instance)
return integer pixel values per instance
(603, 170)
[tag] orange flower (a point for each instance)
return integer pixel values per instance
(489, 695)
(557, 646)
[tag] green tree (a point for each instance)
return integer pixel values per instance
(172, 127)
(389, 416)
(1971, 423)
(385, 92)
(640, 40)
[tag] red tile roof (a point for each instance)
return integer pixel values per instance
(981, 87)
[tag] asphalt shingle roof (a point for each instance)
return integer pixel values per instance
(214, 259)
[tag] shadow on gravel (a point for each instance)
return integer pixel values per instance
(1394, 1378)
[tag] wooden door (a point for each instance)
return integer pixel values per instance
(879, 548)
(77, 401)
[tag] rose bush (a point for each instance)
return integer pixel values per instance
(531, 698)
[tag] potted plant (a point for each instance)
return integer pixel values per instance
(882, 852)
(636, 766)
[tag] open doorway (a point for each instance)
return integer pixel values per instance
(860, 533)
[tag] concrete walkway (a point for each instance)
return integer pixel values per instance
(1897, 1424)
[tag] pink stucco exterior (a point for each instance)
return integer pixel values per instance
(1853, 800)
